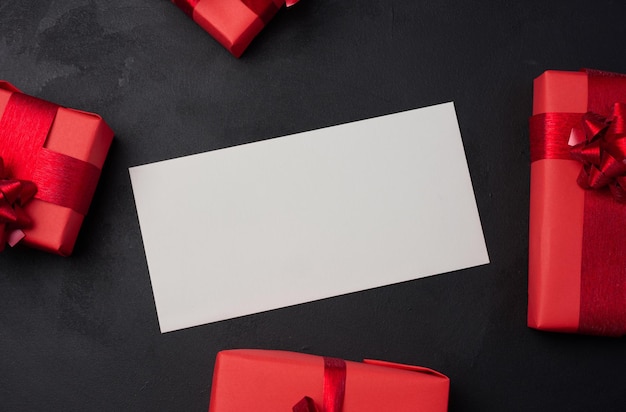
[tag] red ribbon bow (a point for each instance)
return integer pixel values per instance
(334, 388)
(306, 404)
(14, 194)
(600, 144)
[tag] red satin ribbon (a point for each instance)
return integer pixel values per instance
(334, 388)
(14, 194)
(60, 179)
(603, 265)
(549, 135)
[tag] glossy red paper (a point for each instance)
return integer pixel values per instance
(274, 381)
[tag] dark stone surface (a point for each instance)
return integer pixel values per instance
(81, 333)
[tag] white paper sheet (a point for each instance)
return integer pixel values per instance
(308, 216)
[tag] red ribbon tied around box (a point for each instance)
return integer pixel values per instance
(334, 388)
(14, 194)
(599, 143)
(60, 179)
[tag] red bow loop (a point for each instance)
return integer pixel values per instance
(599, 143)
(306, 404)
(14, 194)
(593, 124)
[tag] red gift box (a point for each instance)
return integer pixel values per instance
(577, 249)
(62, 152)
(274, 381)
(233, 23)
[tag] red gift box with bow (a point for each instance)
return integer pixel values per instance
(51, 162)
(233, 23)
(273, 381)
(577, 249)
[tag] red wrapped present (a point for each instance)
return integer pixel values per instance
(274, 381)
(55, 154)
(233, 23)
(577, 251)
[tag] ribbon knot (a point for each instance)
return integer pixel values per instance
(14, 194)
(599, 143)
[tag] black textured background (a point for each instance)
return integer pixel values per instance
(81, 333)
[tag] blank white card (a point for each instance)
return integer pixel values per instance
(307, 216)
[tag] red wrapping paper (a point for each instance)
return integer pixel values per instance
(577, 257)
(83, 140)
(275, 381)
(233, 23)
